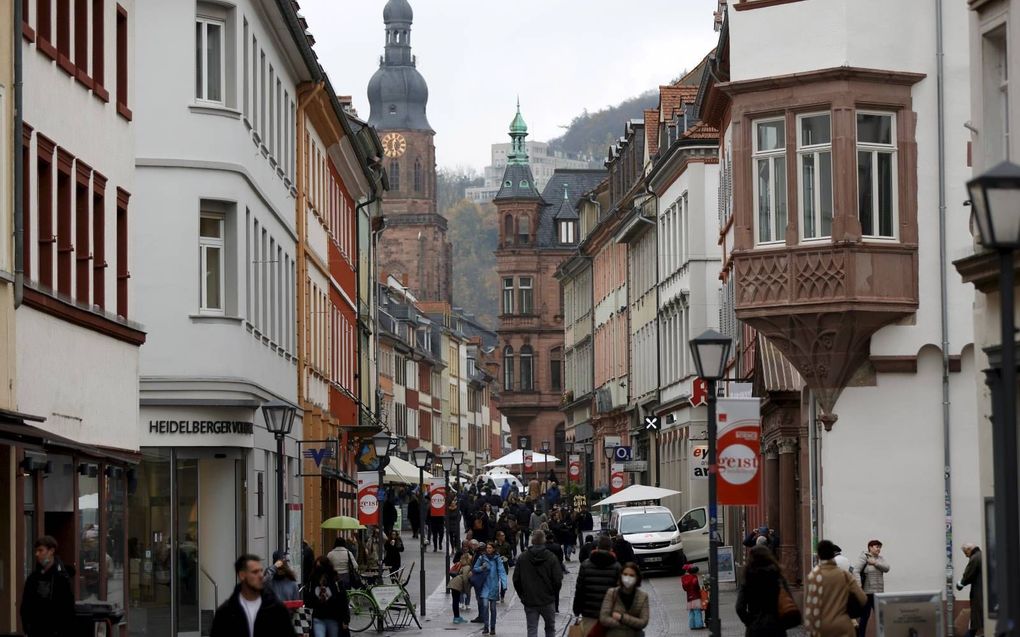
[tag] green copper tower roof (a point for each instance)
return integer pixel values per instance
(518, 131)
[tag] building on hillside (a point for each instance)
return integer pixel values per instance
(834, 146)
(69, 433)
(684, 180)
(544, 162)
(413, 242)
(993, 115)
(532, 245)
(333, 177)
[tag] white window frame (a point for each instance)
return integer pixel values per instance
(816, 151)
(566, 232)
(508, 308)
(206, 21)
(204, 245)
(530, 287)
(779, 234)
(875, 149)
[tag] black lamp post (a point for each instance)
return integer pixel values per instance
(589, 459)
(995, 196)
(447, 461)
(382, 442)
(569, 446)
(422, 457)
(609, 453)
(711, 351)
(279, 417)
(545, 456)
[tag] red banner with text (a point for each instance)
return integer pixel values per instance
(437, 497)
(574, 470)
(616, 480)
(368, 500)
(738, 449)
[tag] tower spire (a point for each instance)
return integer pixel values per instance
(518, 131)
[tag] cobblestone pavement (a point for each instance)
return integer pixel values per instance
(668, 609)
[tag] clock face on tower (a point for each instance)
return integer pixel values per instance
(394, 144)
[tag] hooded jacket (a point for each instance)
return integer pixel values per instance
(597, 574)
(493, 574)
(47, 607)
(537, 577)
(272, 619)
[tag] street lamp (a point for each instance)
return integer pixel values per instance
(447, 461)
(279, 417)
(382, 443)
(711, 351)
(995, 197)
(569, 446)
(422, 457)
(589, 460)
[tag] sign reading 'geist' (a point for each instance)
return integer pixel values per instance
(738, 447)
(437, 497)
(368, 499)
(201, 427)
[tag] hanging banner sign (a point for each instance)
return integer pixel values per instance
(699, 462)
(738, 443)
(616, 480)
(529, 460)
(368, 499)
(575, 466)
(437, 497)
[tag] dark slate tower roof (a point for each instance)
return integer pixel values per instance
(397, 93)
(565, 188)
(518, 182)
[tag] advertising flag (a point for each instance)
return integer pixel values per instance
(368, 501)
(437, 497)
(616, 480)
(738, 445)
(575, 467)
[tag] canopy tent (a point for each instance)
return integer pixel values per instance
(516, 457)
(637, 493)
(400, 471)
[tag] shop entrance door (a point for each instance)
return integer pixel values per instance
(187, 505)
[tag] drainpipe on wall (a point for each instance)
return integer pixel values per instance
(814, 459)
(19, 166)
(944, 315)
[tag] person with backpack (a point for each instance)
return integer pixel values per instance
(328, 601)
(537, 580)
(596, 575)
(460, 583)
(832, 596)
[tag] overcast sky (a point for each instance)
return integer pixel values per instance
(561, 56)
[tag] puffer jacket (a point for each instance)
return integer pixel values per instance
(597, 574)
(874, 575)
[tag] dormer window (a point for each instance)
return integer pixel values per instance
(567, 231)
(508, 184)
(524, 183)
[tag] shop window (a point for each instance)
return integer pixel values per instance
(769, 162)
(58, 507)
(115, 501)
(91, 551)
(876, 174)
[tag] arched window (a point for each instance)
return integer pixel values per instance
(527, 369)
(524, 230)
(508, 368)
(508, 229)
(394, 175)
(417, 175)
(556, 368)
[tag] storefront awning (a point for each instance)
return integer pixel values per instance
(777, 373)
(17, 430)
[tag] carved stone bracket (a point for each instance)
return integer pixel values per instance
(771, 451)
(787, 445)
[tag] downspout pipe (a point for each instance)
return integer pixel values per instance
(947, 474)
(19, 165)
(372, 293)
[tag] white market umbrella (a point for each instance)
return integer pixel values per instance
(637, 493)
(400, 471)
(516, 457)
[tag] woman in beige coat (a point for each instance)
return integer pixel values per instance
(829, 589)
(625, 607)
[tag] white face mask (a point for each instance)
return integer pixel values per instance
(628, 581)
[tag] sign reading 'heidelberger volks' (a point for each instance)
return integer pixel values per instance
(201, 427)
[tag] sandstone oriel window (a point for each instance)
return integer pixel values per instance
(876, 174)
(769, 164)
(814, 160)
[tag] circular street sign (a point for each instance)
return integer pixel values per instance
(575, 470)
(738, 464)
(368, 504)
(438, 500)
(617, 481)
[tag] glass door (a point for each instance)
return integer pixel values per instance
(150, 558)
(187, 540)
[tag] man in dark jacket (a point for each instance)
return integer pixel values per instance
(972, 577)
(414, 517)
(585, 523)
(597, 575)
(523, 513)
(623, 549)
(389, 513)
(537, 580)
(252, 611)
(47, 607)
(588, 547)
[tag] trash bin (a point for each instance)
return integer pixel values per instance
(90, 616)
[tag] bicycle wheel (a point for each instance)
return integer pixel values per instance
(363, 611)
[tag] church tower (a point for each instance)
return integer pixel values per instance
(413, 246)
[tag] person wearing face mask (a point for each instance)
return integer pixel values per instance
(47, 607)
(625, 608)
